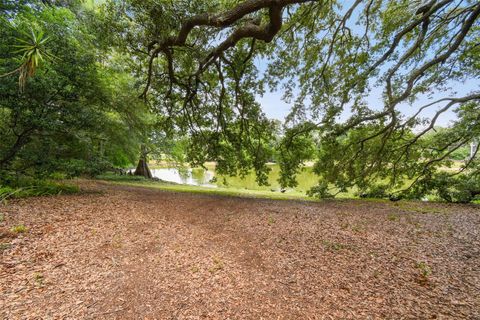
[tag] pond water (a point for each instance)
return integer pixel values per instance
(201, 177)
(188, 176)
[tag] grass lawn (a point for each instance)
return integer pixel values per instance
(225, 191)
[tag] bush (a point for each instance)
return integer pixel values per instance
(461, 188)
(58, 176)
(375, 191)
(320, 191)
(6, 192)
(37, 188)
(75, 167)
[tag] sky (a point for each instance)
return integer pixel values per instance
(275, 108)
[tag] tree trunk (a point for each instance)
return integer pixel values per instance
(21, 141)
(142, 167)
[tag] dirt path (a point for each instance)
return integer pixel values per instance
(134, 253)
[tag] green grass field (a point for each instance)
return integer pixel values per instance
(226, 191)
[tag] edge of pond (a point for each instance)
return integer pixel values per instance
(263, 195)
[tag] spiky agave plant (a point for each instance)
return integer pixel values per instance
(33, 47)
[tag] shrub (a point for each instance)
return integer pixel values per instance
(75, 167)
(375, 191)
(58, 176)
(321, 191)
(37, 188)
(461, 188)
(6, 192)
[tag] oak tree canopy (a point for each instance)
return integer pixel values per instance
(382, 94)
(204, 62)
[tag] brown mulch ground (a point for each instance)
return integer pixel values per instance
(135, 253)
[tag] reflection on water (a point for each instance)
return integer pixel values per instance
(201, 177)
(194, 177)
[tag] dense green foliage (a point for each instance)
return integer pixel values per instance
(199, 61)
(77, 112)
(368, 82)
(36, 188)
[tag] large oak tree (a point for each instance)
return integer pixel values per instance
(203, 63)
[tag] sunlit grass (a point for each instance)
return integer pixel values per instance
(243, 186)
(231, 185)
(226, 191)
(292, 195)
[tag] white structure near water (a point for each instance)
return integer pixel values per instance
(473, 148)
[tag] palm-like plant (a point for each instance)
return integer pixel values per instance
(32, 46)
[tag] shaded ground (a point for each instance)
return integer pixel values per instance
(135, 253)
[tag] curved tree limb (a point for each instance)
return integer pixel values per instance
(222, 21)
